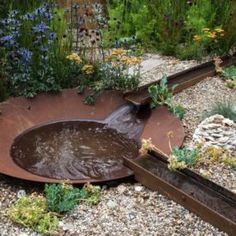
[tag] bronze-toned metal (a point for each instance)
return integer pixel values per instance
(20, 114)
(204, 200)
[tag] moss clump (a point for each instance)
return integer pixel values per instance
(31, 211)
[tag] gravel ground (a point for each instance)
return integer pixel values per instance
(196, 100)
(131, 209)
(128, 209)
(156, 66)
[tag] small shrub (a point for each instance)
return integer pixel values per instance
(182, 158)
(61, 198)
(31, 211)
(90, 194)
(229, 72)
(160, 93)
(225, 108)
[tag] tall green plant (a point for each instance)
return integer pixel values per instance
(170, 26)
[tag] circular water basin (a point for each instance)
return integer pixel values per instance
(84, 150)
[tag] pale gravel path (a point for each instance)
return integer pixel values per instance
(132, 210)
(155, 66)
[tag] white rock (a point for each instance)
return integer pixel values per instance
(138, 188)
(111, 204)
(21, 193)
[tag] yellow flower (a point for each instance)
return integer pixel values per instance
(205, 29)
(197, 38)
(219, 30)
(125, 60)
(88, 69)
(135, 61)
(118, 52)
(74, 57)
(211, 35)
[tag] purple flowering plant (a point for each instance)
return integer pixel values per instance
(28, 40)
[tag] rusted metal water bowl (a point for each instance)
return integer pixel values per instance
(20, 116)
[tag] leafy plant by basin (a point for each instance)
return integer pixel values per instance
(161, 95)
(224, 108)
(62, 198)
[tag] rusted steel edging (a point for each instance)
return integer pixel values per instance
(156, 183)
(181, 80)
(194, 175)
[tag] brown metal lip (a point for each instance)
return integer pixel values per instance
(20, 115)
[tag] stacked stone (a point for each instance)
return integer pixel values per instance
(217, 131)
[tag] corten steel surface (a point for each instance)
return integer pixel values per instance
(20, 114)
(181, 80)
(193, 192)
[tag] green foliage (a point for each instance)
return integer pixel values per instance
(32, 212)
(62, 198)
(182, 158)
(230, 161)
(178, 110)
(120, 71)
(170, 25)
(231, 83)
(229, 72)
(90, 194)
(43, 66)
(160, 93)
(225, 108)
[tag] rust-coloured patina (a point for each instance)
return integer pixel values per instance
(20, 114)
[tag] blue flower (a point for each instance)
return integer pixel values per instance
(48, 15)
(29, 16)
(40, 11)
(6, 38)
(25, 54)
(5, 21)
(12, 14)
(52, 36)
(40, 28)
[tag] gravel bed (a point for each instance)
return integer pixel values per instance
(135, 210)
(196, 100)
(155, 66)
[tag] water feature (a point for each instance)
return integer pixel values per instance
(80, 149)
